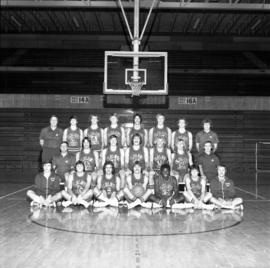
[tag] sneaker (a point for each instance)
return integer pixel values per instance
(34, 204)
(66, 203)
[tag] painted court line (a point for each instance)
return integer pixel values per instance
(245, 191)
(4, 196)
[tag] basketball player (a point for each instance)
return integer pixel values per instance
(160, 130)
(181, 161)
(183, 134)
(136, 153)
(136, 191)
(223, 191)
(166, 191)
(95, 135)
(208, 162)
(137, 128)
(196, 190)
(47, 188)
(159, 155)
(108, 190)
(50, 138)
(64, 163)
(114, 129)
(116, 155)
(206, 135)
(78, 189)
(89, 158)
(73, 136)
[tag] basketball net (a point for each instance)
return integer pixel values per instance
(135, 88)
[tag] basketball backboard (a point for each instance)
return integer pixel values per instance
(151, 72)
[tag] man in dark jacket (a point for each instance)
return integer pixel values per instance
(223, 191)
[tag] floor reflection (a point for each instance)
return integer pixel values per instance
(138, 221)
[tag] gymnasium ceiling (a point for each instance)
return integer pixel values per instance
(173, 24)
(223, 44)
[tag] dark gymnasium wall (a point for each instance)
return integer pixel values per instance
(238, 132)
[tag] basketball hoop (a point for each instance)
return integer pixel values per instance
(135, 88)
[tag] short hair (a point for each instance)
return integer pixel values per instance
(91, 116)
(73, 117)
(86, 139)
(46, 162)
(137, 115)
(54, 117)
(108, 162)
(163, 166)
(114, 114)
(208, 142)
(220, 165)
(207, 120)
(111, 137)
(79, 163)
(136, 163)
(160, 114)
(136, 135)
(64, 142)
(183, 118)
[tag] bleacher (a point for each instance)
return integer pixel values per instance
(238, 133)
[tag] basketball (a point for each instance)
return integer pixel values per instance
(138, 190)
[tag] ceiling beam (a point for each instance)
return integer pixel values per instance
(179, 5)
(17, 69)
(107, 42)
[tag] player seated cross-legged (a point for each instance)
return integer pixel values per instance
(166, 191)
(108, 190)
(47, 188)
(78, 189)
(196, 190)
(223, 191)
(136, 191)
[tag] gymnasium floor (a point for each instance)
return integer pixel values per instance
(76, 237)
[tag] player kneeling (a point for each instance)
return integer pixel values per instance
(223, 191)
(136, 192)
(196, 190)
(108, 190)
(166, 191)
(78, 187)
(47, 188)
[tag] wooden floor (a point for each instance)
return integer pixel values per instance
(113, 238)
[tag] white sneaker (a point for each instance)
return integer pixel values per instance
(66, 203)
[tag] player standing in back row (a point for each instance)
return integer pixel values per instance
(160, 130)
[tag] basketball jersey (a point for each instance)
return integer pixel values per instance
(116, 132)
(95, 137)
(140, 131)
(160, 133)
(78, 183)
(180, 164)
(114, 157)
(108, 185)
(184, 136)
(166, 187)
(88, 160)
(135, 181)
(73, 139)
(196, 187)
(159, 159)
(136, 156)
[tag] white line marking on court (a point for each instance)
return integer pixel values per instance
(4, 196)
(245, 191)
